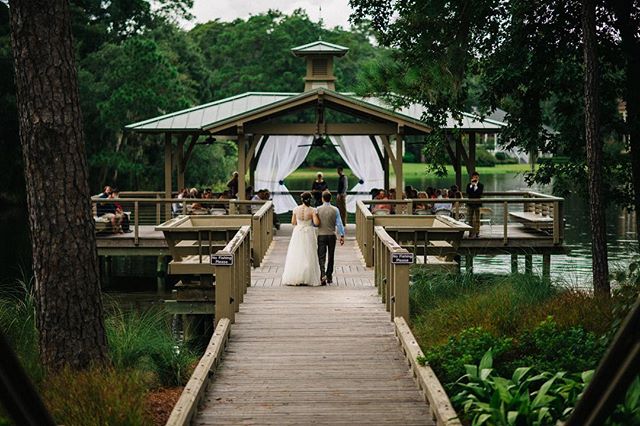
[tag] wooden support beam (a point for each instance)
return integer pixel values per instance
(388, 150)
(187, 155)
(398, 166)
(242, 169)
(253, 143)
(385, 167)
(180, 163)
(546, 266)
(463, 153)
(472, 153)
(373, 140)
(528, 264)
(514, 263)
(459, 149)
(167, 173)
(326, 128)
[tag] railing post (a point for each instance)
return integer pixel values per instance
(233, 208)
(558, 222)
(257, 240)
(158, 210)
(224, 295)
(400, 292)
(506, 223)
(136, 223)
(368, 258)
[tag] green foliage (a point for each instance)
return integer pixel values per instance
(628, 412)
(549, 347)
(442, 305)
(526, 398)
(484, 158)
(323, 157)
(96, 397)
(504, 158)
(18, 324)
(448, 360)
(143, 342)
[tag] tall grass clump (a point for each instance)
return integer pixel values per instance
(143, 341)
(96, 396)
(18, 323)
(445, 304)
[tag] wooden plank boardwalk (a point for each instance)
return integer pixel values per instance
(313, 355)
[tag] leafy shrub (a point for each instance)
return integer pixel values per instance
(484, 158)
(551, 348)
(628, 412)
(18, 323)
(144, 342)
(95, 397)
(504, 158)
(448, 361)
(323, 157)
(524, 399)
(443, 305)
(410, 157)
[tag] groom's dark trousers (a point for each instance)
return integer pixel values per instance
(326, 243)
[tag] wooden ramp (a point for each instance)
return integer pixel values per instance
(313, 355)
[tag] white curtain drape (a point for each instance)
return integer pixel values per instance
(361, 157)
(280, 157)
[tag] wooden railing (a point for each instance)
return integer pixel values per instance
(187, 406)
(148, 211)
(539, 213)
(192, 243)
(391, 279)
(232, 280)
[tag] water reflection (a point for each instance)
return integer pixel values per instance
(573, 269)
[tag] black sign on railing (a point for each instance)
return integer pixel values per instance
(222, 259)
(402, 258)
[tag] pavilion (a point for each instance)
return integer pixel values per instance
(274, 131)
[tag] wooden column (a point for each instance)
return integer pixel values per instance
(242, 168)
(167, 174)
(469, 264)
(514, 263)
(398, 167)
(459, 162)
(546, 266)
(252, 164)
(385, 166)
(472, 151)
(528, 264)
(180, 161)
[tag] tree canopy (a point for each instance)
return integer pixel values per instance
(135, 62)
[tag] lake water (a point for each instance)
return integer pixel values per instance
(573, 269)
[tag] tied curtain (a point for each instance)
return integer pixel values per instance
(361, 157)
(280, 157)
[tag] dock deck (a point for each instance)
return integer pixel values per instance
(313, 355)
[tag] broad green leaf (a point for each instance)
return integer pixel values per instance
(472, 371)
(520, 373)
(512, 417)
(486, 361)
(482, 419)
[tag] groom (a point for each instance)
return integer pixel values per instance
(329, 221)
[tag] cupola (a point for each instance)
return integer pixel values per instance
(319, 56)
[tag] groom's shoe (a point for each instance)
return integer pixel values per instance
(329, 279)
(323, 280)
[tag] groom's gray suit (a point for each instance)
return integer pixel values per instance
(329, 221)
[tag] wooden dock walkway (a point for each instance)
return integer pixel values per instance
(313, 355)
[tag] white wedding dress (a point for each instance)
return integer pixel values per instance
(301, 266)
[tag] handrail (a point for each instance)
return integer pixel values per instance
(391, 279)
(441, 409)
(232, 280)
(187, 406)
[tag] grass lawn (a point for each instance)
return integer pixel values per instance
(413, 169)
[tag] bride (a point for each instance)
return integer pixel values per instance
(301, 266)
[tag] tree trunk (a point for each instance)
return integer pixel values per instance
(594, 152)
(65, 260)
(631, 52)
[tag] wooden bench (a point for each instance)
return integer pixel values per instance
(533, 220)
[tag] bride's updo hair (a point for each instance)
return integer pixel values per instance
(306, 198)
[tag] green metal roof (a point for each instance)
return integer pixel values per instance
(226, 111)
(320, 48)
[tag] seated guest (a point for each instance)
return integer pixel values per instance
(256, 197)
(421, 206)
(125, 223)
(441, 207)
(383, 208)
(114, 214)
(178, 208)
(100, 207)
